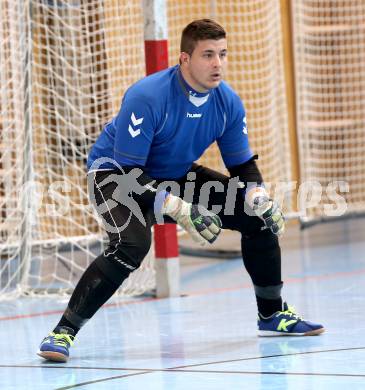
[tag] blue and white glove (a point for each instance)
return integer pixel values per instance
(202, 225)
(266, 209)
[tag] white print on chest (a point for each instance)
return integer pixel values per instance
(189, 115)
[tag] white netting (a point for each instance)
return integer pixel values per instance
(329, 49)
(65, 65)
(64, 68)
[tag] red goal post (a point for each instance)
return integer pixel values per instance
(165, 236)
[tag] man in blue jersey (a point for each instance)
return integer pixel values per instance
(138, 172)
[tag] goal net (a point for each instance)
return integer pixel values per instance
(64, 68)
(329, 47)
(65, 65)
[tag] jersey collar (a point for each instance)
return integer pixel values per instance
(195, 97)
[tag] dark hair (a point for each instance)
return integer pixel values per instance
(200, 30)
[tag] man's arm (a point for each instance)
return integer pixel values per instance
(248, 172)
(135, 126)
(256, 196)
(240, 162)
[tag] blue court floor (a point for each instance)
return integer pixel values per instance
(206, 339)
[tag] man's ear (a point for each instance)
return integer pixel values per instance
(184, 58)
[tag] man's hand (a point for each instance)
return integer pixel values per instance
(266, 209)
(202, 225)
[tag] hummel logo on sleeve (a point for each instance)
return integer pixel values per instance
(244, 130)
(135, 122)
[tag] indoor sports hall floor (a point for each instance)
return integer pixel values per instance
(207, 338)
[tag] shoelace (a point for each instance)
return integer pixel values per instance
(63, 340)
(290, 312)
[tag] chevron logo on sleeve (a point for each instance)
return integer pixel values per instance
(244, 130)
(132, 127)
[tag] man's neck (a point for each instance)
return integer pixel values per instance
(191, 85)
(195, 97)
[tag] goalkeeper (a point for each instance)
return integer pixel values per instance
(165, 123)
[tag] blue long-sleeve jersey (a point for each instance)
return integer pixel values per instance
(164, 126)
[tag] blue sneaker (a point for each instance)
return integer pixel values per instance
(287, 323)
(55, 346)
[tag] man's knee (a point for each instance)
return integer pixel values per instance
(260, 240)
(132, 253)
(119, 260)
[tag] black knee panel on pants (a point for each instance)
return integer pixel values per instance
(262, 258)
(113, 270)
(120, 260)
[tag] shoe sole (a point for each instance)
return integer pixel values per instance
(268, 333)
(53, 356)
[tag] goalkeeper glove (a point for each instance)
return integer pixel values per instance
(266, 209)
(202, 225)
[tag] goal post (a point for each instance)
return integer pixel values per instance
(165, 236)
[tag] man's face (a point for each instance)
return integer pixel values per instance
(205, 67)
